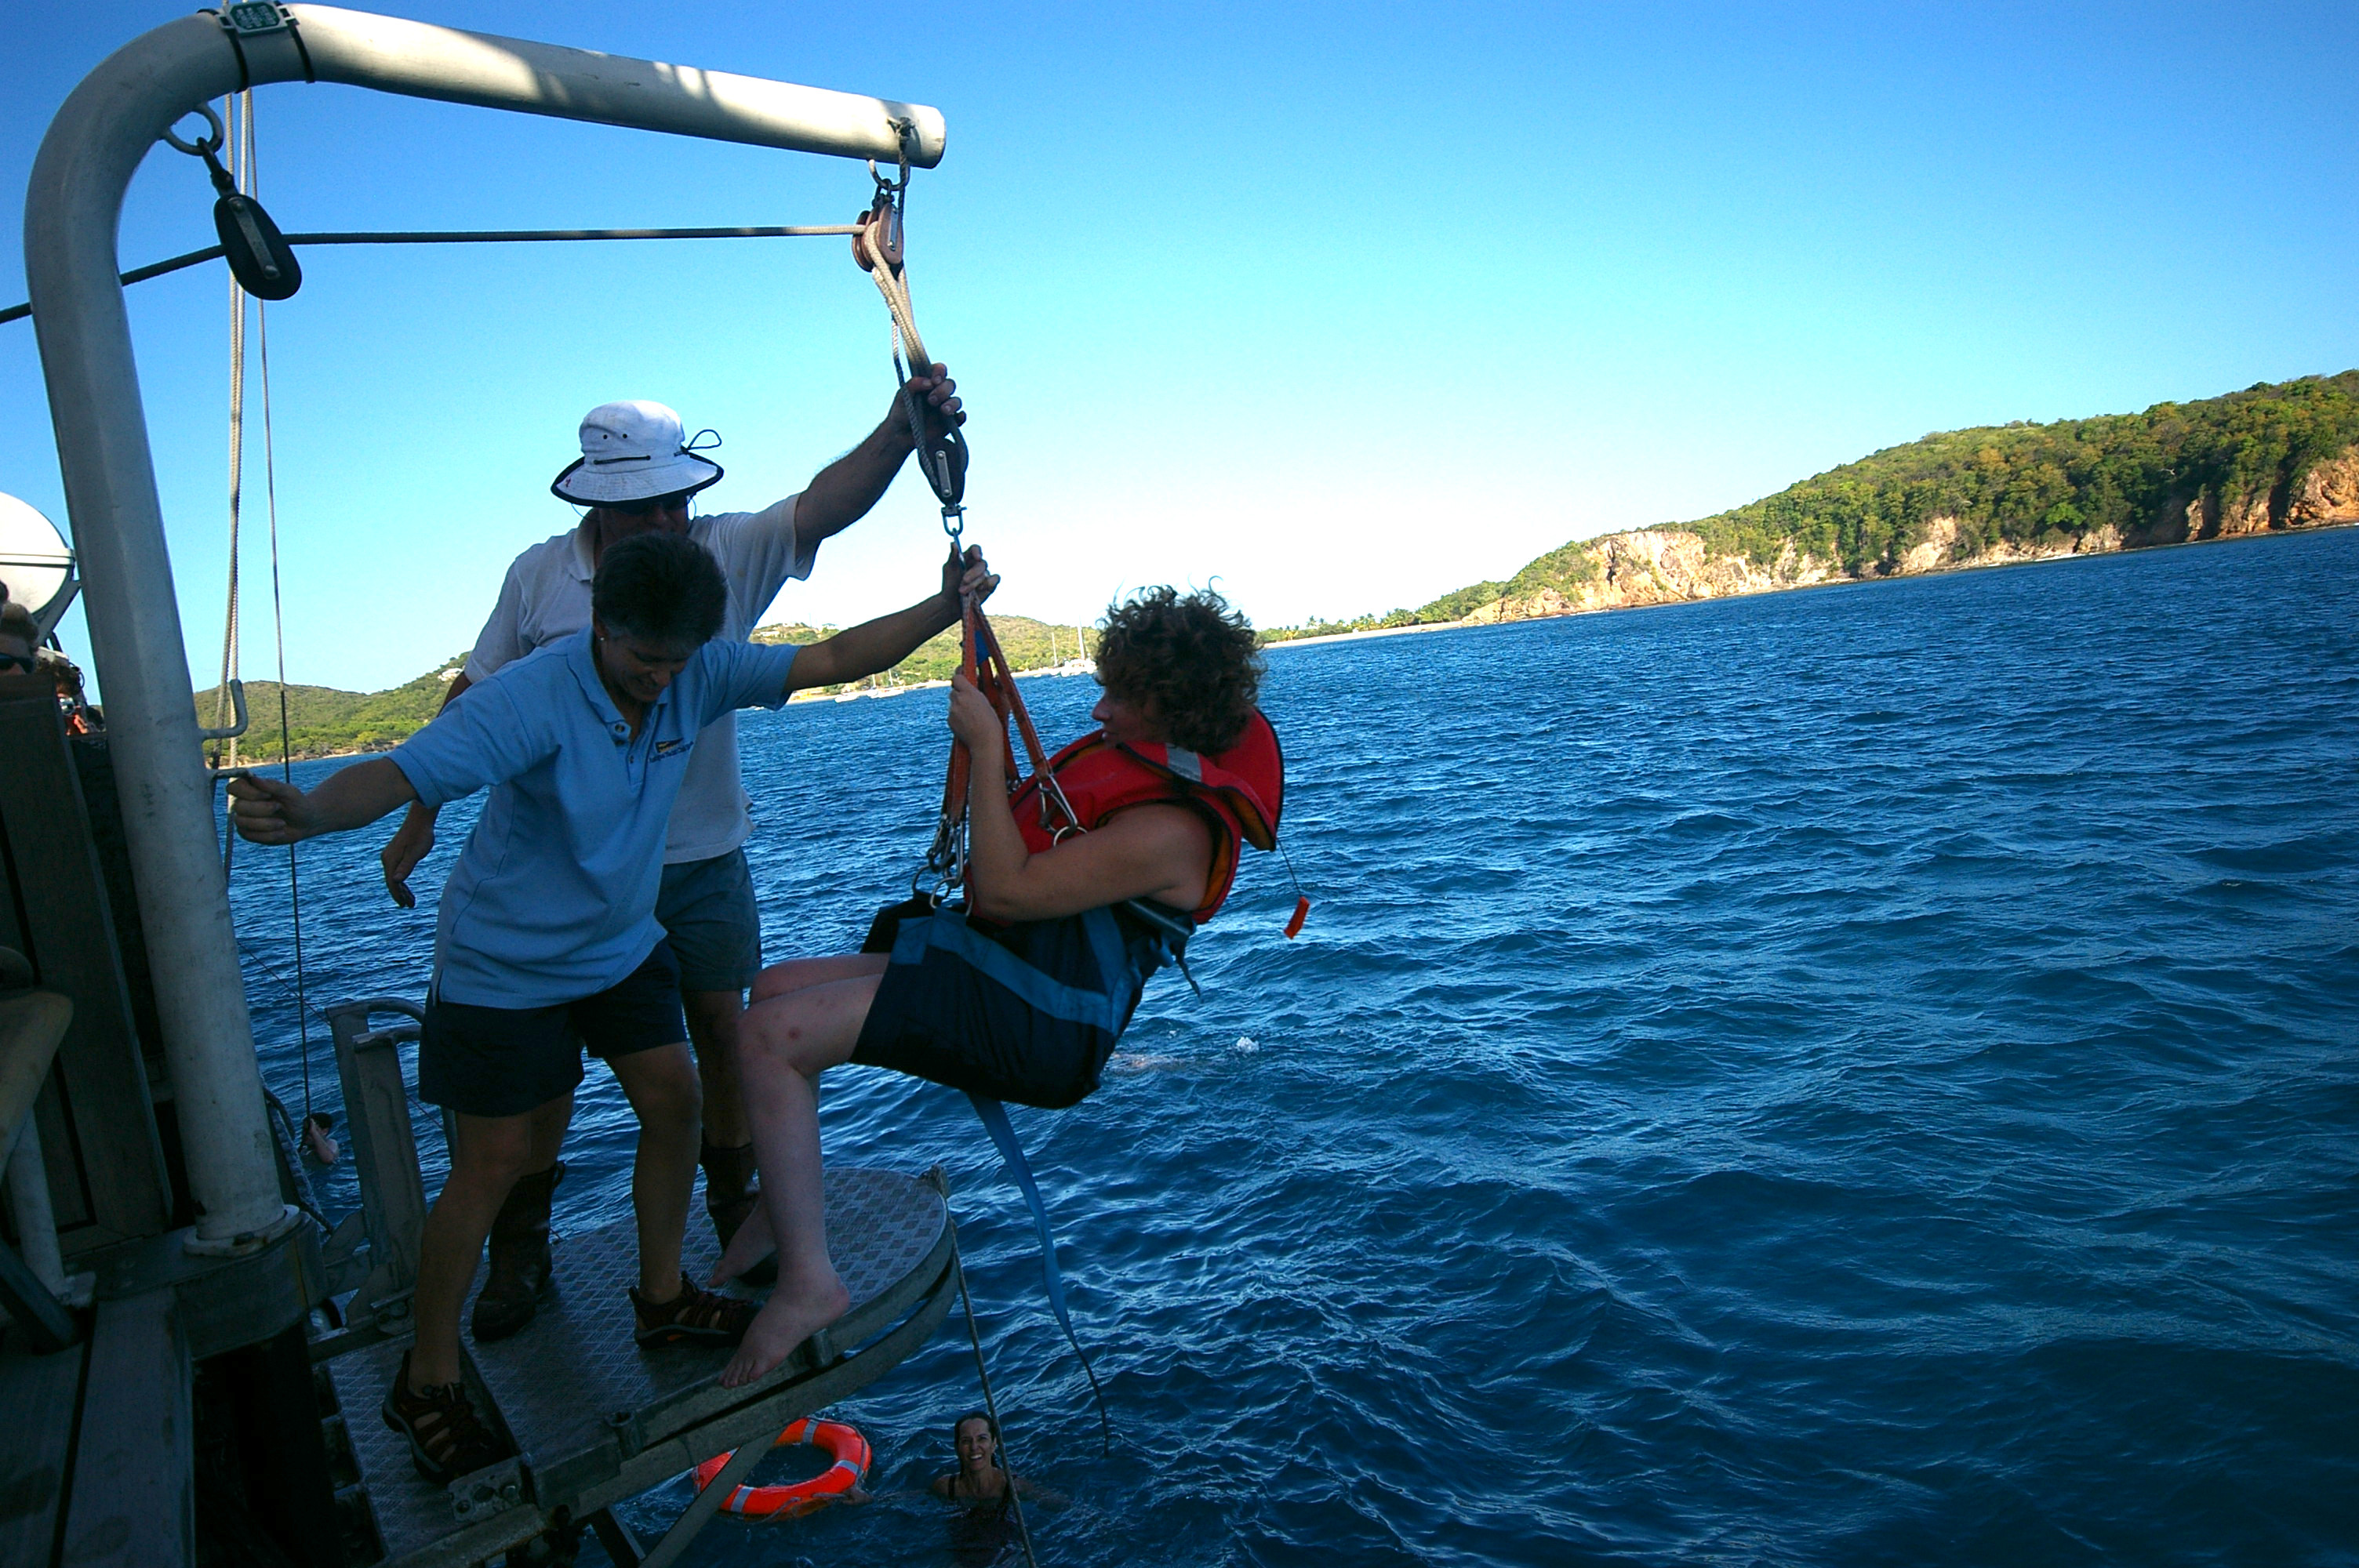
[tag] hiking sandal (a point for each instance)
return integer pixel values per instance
(702, 1316)
(447, 1438)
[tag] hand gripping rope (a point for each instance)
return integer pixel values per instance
(877, 248)
(942, 458)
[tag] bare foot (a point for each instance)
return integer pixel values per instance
(795, 1311)
(749, 1245)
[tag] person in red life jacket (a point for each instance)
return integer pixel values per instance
(1021, 994)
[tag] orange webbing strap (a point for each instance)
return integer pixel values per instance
(983, 662)
(1015, 703)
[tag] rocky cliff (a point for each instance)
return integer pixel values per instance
(1674, 564)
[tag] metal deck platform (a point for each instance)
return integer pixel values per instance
(596, 1418)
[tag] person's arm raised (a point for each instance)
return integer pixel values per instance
(269, 812)
(879, 645)
(843, 492)
(1162, 852)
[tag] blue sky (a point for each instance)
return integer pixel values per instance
(1339, 307)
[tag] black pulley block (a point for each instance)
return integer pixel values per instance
(259, 257)
(942, 455)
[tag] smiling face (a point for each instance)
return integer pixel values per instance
(976, 1446)
(638, 667)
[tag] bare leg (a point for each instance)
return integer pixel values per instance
(753, 1241)
(662, 1088)
(712, 1030)
(784, 1044)
(796, 974)
(549, 1124)
(487, 1156)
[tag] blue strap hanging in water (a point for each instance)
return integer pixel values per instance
(1002, 1135)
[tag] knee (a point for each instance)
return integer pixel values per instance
(712, 1018)
(493, 1154)
(771, 1035)
(668, 1096)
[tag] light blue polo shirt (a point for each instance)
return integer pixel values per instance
(554, 898)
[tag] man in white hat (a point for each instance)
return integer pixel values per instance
(636, 475)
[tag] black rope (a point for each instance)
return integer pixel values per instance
(286, 740)
(991, 1407)
(468, 237)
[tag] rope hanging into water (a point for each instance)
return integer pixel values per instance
(239, 144)
(991, 1406)
(240, 139)
(278, 631)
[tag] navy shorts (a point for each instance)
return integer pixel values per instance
(706, 909)
(504, 1061)
(1025, 1013)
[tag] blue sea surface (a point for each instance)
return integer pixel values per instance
(1859, 1075)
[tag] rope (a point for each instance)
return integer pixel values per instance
(991, 1406)
(240, 140)
(241, 163)
(286, 737)
(468, 237)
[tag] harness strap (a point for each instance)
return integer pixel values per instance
(1002, 1135)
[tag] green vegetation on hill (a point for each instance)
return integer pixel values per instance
(2031, 485)
(324, 722)
(2126, 479)
(1030, 644)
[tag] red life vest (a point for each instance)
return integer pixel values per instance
(1239, 792)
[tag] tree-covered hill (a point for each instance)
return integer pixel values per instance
(1030, 644)
(325, 722)
(2241, 462)
(2271, 456)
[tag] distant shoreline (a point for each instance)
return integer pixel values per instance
(1370, 631)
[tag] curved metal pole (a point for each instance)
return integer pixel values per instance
(72, 207)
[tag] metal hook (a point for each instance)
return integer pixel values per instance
(905, 132)
(202, 147)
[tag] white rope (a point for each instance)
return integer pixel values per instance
(240, 139)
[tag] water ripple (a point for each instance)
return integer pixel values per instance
(1863, 1076)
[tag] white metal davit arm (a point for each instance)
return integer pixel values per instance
(73, 208)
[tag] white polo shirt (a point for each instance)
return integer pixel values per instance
(546, 599)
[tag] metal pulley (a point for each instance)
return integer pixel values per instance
(877, 250)
(259, 257)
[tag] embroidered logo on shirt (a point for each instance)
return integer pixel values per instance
(666, 748)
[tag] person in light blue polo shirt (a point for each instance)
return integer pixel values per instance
(548, 940)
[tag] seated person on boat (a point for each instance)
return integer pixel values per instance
(547, 939)
(1021, 994)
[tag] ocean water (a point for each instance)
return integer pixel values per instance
(1852, 1076)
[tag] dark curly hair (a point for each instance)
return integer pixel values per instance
(665, 588)
(1190, 660)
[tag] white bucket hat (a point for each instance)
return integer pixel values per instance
(631, 451)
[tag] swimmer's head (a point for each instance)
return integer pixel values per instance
(976, 1437)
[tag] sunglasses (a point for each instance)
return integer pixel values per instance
(677, 502)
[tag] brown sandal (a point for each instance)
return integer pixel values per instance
(447, 1438)
(706, 1317)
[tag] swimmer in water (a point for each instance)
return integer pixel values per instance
(984, 1533)
(979, 1480)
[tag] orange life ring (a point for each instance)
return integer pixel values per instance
(847, 1448)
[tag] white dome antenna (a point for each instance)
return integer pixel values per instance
(35, 563)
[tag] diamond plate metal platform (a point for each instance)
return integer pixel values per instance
(597, 1419)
